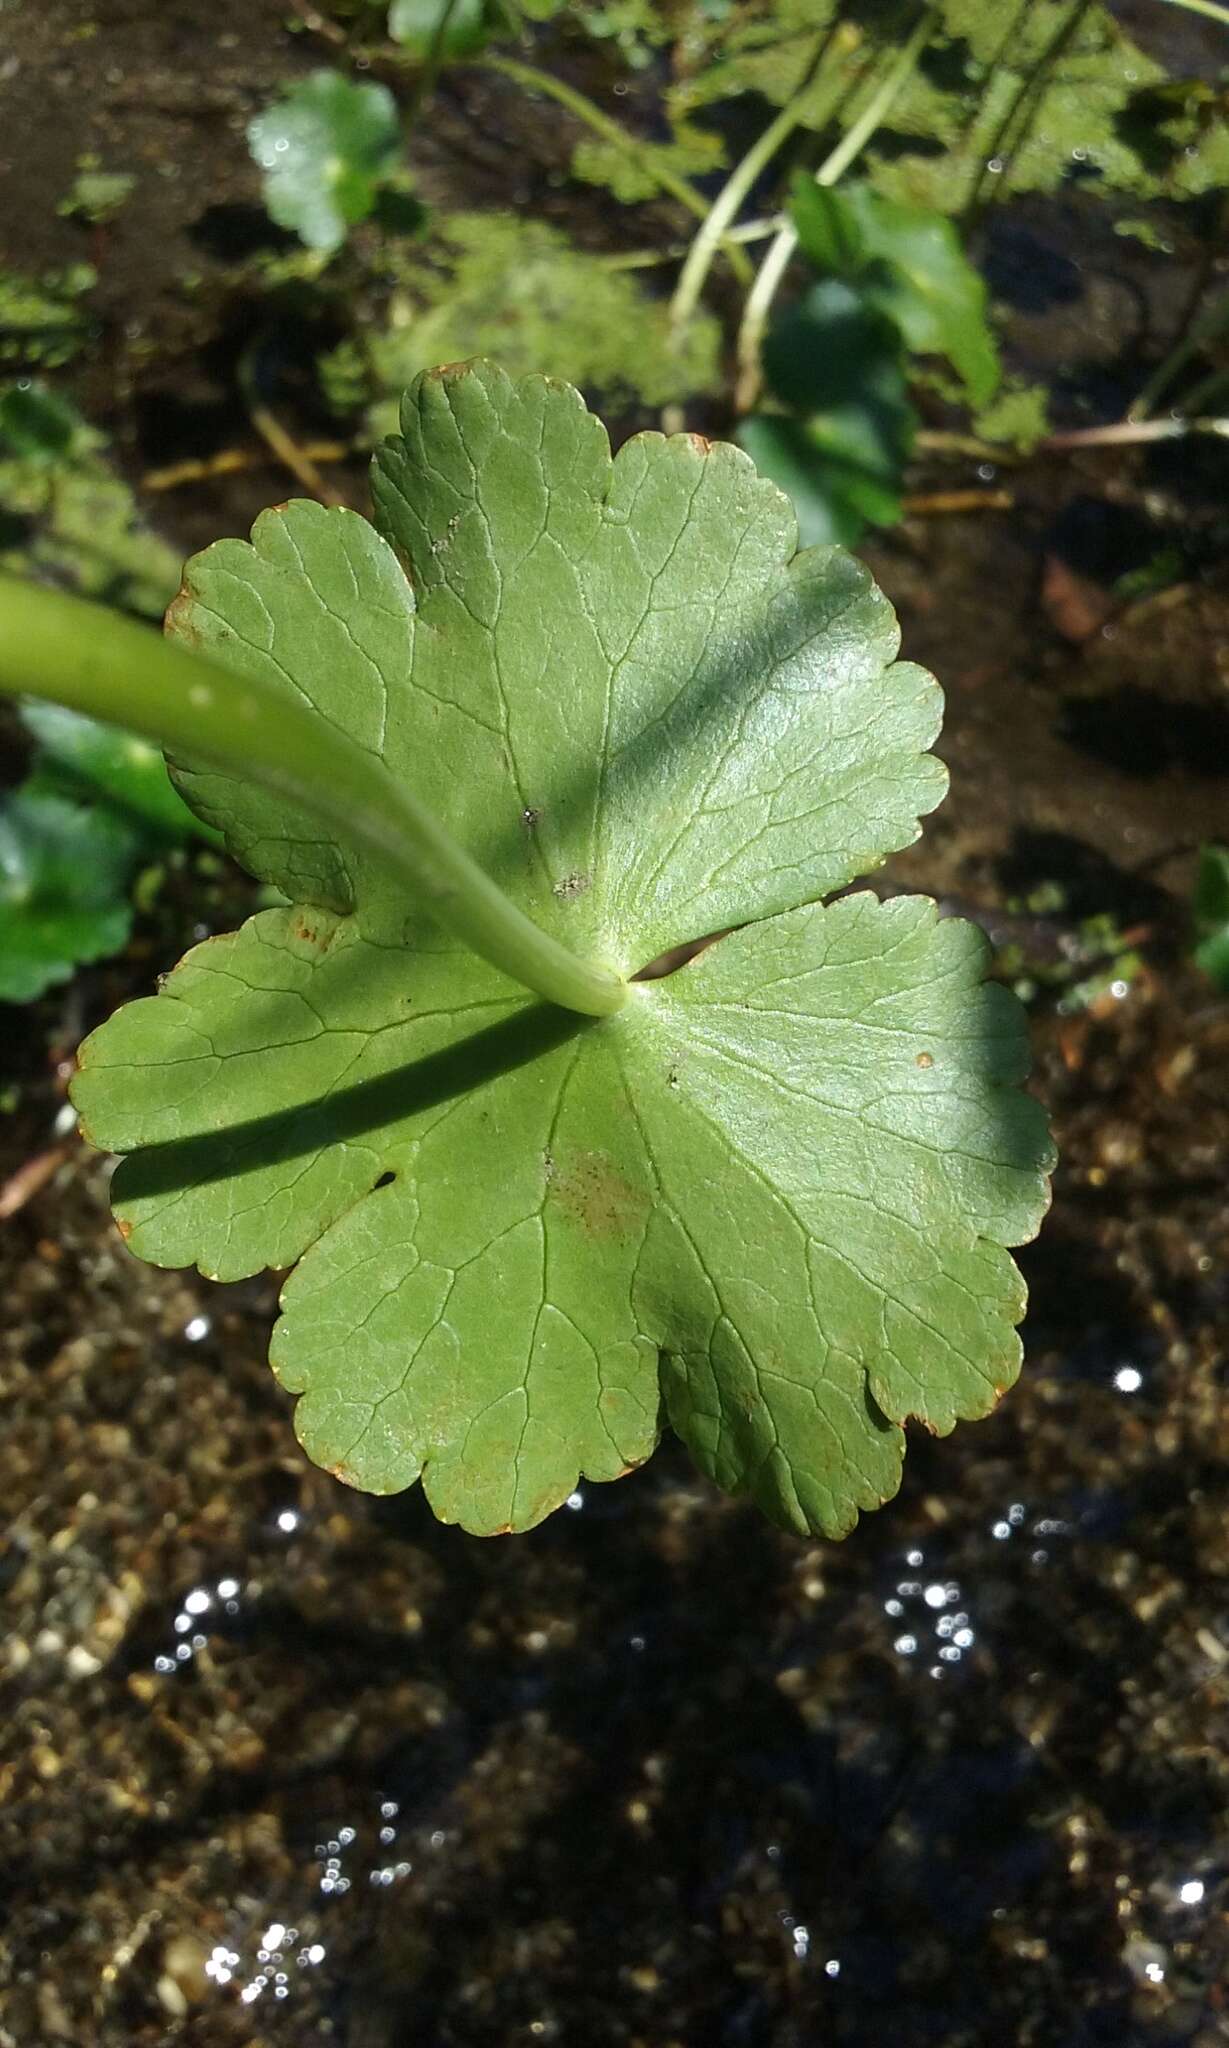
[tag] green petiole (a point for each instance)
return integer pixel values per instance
(95, 660)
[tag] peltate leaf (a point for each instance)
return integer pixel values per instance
(773, 1190)
(323, 149)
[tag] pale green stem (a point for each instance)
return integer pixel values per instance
(720, 215)
(603, 124)
(776, 262)
(1123, 433)
(428, 77)
(97, 661)
(1163, 376)
(1208, 7)
(652, 259)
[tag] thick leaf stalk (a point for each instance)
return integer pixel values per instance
(94, 660)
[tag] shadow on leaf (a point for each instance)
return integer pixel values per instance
(352, 1113)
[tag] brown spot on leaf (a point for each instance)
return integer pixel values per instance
(595, 1195)
(925, 1059)
(124, 1227)
(176, 620)
(700, 442)
(572, 886)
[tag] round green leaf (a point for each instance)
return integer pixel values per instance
(323, 149)
(770, 1197)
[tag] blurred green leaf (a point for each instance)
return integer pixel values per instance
(829, 347)
(837, 363)
(1019, 417)
(66, 517)
(323, 150)
(40, 321)
(114, 764)
(35, 423)
(64, 871)
(629, 175)
(836, 471)
(95, 195)
(415, 24)
(907, 261)
(1211, 908)
(518, 290)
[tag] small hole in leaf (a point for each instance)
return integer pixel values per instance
(675, 957)
(385, 1180)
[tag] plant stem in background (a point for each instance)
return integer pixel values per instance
(97, 661)
(1213, 11)
(1122, 433)
(274, 435)
(610, 130)
(425, 83)
(650, 259)
(1198, 322)
(763, 292)
(720, 215)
